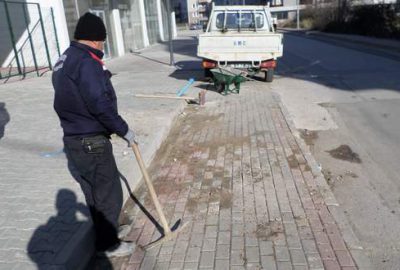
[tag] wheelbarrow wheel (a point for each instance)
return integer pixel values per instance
(220, 87)
(269, 75)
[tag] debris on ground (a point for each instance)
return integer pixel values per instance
(333, 179)
(309, 136)
(270, 231)
(344, 152)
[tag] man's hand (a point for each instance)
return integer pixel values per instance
(130, 138)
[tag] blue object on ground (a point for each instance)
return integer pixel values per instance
(185, 88)
(52, 154)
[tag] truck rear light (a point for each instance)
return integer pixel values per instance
(208, 64)
(268, 64)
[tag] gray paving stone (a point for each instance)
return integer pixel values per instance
(207, 259)
(266, 248)
(211, 231)
(237, 257)
(300, 267)
(178, 257)
(196, 240)
(284, 266)
(222, 264)
(282, 254)
(298, 257)
(309, 246)
(209, 244)
(268, 262)
(252, 254)
(314, 261)
(193, 254)
(251, 241)
(224, 238)
(191, 265)
(223, 252)
(148, 263)
(176, 266)
(237, 267)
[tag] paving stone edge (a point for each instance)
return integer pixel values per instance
(354, 245)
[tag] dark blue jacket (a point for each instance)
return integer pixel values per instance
(85, 99)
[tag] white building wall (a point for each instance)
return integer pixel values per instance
(23, 43)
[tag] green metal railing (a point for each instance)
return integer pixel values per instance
(27, 37)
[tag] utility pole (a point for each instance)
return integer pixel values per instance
(171, 48)
(298, 14)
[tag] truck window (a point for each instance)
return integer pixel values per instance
(244, 20)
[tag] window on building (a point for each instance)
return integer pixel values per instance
(282, 15)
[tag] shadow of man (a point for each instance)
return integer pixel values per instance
(49, 241)
(4, 118)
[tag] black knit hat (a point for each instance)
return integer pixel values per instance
(90, 27)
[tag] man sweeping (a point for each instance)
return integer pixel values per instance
(86, 104)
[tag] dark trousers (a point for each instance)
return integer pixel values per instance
(91, 162)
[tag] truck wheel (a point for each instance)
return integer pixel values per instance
(269, 75)
(207, 73)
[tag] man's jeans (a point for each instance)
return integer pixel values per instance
(91, 162)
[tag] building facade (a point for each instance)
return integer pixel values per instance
(131, 24)
(34, 33)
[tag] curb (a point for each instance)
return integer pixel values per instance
(354, 245)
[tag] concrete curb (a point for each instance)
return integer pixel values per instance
(354, 245)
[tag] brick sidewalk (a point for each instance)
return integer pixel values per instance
(234, 170)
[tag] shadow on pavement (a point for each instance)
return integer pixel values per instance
(139, 54)
(48, 241)
(4, 118)
(140, 205)
(347, 70)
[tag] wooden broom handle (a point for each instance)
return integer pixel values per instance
(150, 186)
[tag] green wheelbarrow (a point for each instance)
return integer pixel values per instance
(223, 78)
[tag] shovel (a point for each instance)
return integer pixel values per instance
(167, 233)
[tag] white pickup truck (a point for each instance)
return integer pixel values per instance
(240, 37)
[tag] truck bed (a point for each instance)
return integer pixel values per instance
(240, 46)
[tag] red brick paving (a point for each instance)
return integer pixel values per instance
(235, 172)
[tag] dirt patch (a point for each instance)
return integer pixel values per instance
(219, 141)
(351, 174)
(260, 133)
(292, 161)
(191, 204)
(309, 136)
(224, 196)
(334, 179)
(197, 121)
(344, 152)
(296, 151)
(270, 231)
(328, 177)
(326, 105)
(307, 168)
(225, 199)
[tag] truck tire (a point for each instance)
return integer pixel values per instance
(207, 73)
(269, 75)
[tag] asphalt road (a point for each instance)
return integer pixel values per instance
(351, 96)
